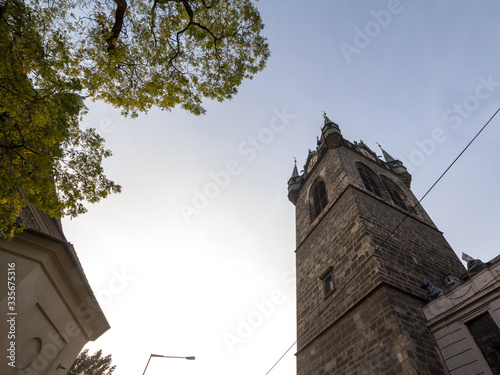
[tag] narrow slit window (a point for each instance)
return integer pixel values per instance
(320, 199)
(327, 280)
(328, 284)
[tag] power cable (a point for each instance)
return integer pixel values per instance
(291, 346)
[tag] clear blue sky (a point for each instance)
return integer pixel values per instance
(179, 274)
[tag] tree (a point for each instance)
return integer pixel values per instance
(91, 365)
(133, 54)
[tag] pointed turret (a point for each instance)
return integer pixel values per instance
(327, 120)
(397, 167)
(331, 133)
(294, 184)
(388, 158)
(295, 172)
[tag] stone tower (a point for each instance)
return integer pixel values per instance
(364, 246)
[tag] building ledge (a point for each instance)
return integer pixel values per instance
(471, 292)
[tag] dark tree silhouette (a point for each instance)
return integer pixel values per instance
(95, 364)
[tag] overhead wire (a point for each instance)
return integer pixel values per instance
(284, 354)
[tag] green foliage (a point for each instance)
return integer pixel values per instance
(133, 55)
(91, 365)
(138, 54)
(172, 53)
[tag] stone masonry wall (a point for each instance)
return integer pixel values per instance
(412, 252)
(374, 339)
(343, 245)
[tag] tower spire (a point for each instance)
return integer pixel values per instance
(295, 172)
(294, 184)
(327, 120)
(388, 158)
(397, 167)
(331, 132)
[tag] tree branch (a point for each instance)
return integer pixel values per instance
(189, 10)
(190, 13)
(121, 8)
(3, 8)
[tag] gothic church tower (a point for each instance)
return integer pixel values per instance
(360, 264)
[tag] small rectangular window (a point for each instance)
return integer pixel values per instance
(327, 280)
(328, 284)
(449, 280)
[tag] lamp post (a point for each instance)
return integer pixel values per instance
(191, 358)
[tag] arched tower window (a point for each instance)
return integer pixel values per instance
(394, 194)
(368, 180)
(320, 200)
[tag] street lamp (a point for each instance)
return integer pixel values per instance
(165, 356)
